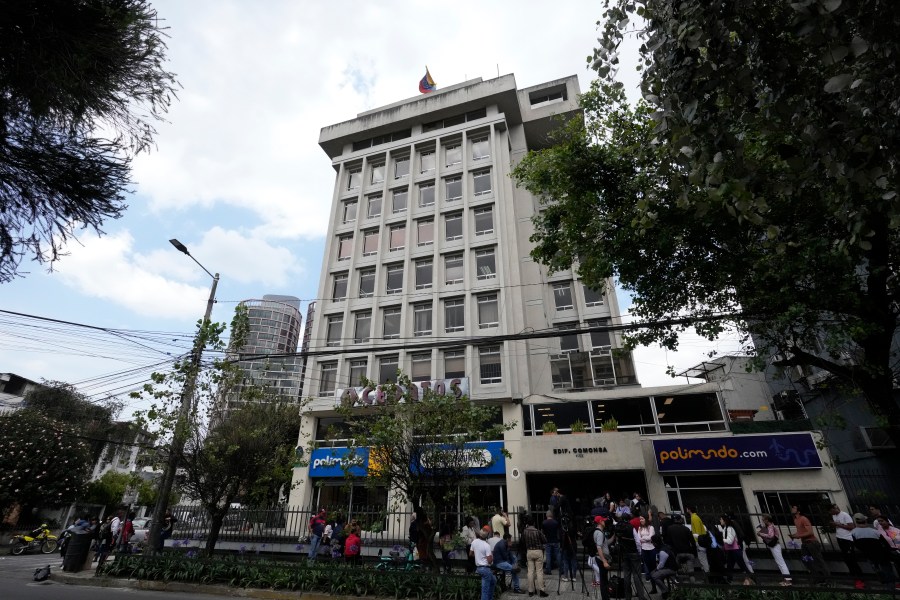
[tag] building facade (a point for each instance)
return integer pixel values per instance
(427, 269)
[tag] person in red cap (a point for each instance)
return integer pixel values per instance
(599, 556)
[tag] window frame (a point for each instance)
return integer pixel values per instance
(347, 204)
(360, 317)
(585, 290)
(423, 262)
(390, 311)
(454, 354)
(475, 177)
(369, 205)
(420, 357)
(454, 304)
(419, 224)
(490, 351)
(462, 266)
(481, 140)
(427, 185)
(336, 279)
(394, 229)
(387, 360)
(481, 253)
(484, 210)
(327, 367)
(397, 162)
(559, 285)
(354, 364)
(394, 195)
(334, 324)
(452, 148)
(342, 247)
(486, 300)
(454, 179)
(454, 216)
(371, 234)
(374, 169)
(393, 270)
(366, 275)
(423, 308)
(422, 160)
(355, 173)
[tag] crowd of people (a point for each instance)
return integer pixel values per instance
(114, 533)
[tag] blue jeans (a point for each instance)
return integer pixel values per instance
(567, 567)
(509, 568)
(551, 556)
(314, 546)
(488, 583)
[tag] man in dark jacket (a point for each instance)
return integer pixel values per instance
(505, 561)
(679, 537)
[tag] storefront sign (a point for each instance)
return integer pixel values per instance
(738, 453)
(486, 458)
(580, 451)
(483, 458)
(369, 395)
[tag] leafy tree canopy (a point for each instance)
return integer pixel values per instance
(756, 179)
(81, 85)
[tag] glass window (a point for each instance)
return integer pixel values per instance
(349, 211)
(485, 263)
(387, 368)
(374, 208)
(394, 279)
(569, 341)
(562, 414)
(453, 155)
(345, 247)
(353, 179)
(357, 372)
(592, 297)
(454, 314)
(484, 220)
(401, 167)
(488, 311)
(363, 326)
(339, 287)
(427, 162)
(398, 237)
(378, 173)
(688, 408)
(424, 274)
(425, 229)
(453, 226)
(490, 369)
(481, 183)
(426, 194)
(481, 149)
(422, 319)
(370, 242)
(631, 413)
(454, 363)
(453, 188)
(421, 366)
(334, 329)
(562, 295)
(366, 283)
(600, 339)
(398, 201)
(453, 268)
(391, 329)
(328, 379)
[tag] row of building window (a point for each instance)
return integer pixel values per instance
(480, 150)
(425, 196)
(490, 369)
(488, 311)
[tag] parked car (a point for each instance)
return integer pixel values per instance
(141, 530)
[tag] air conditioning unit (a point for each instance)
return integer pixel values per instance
(876, 438)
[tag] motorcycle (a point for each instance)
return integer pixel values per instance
(39, 539)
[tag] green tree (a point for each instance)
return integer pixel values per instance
(109, 489)
(81, 85)
(755, 181)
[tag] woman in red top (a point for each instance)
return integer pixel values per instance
(352, 547)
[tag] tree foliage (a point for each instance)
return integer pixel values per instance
(81, 85)
(109, 489)
(756, 179)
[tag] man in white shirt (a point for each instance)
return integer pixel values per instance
(499, 522)
(843, 526)
(484, 558)
(116, 525)
(492, 541)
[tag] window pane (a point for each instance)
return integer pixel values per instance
(454, 155)
(353, 179)
(488, 312)
(688, 408)
(454, 363)
(374, 209)
(377, 173)
(421, 367)
(562, 296)
(427, 162)
(357, 372)
(592, 297)
(481, 183)
(599, 339)
(370, 242)
(334, 330)
(480, 150)
(453, 226)
(569, 342)
(345, 247)
(395, 279)
(453, 268)
(490, 369)
(454, 314)
(426, 232)
(485, 264)
(398, 201)
(426, 194)
(562, 414)
(391, 323)
(366, 283)
(328, 379)
(422, 319)
(453, 188)
(401, 168)
(398, 237)
(339, 289)
(484, 221)
(349, 211)
(387, 368)
(363, 327)
(423, 274)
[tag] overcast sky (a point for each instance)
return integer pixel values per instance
(238, 176)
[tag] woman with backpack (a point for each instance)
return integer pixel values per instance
(734, 555)
(768, 533)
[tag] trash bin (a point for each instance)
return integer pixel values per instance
(77, 552)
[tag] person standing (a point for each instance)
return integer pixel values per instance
(534, 542)
(810, 547)
(353, 547)
(843, 528)
(698, 529)
(599, 561)
(484, 558)
(768, 533)
(499, 522)
(630, 557)
(732, 547)
(646, 531)
(550, 527)
(469, 535)
(316, 531)
(878, 549)
(127, 530)
(568, 549)
(683, 544)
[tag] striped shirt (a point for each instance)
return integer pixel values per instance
(534, 539)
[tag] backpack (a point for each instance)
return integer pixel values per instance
(42, 574)
(587, 540)
(625, 538)
(616, 587)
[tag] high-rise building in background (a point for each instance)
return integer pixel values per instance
(307, 337)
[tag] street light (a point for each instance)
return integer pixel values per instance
(187, 394)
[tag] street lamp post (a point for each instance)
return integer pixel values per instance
(179, 436)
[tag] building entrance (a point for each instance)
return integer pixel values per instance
(581, 487)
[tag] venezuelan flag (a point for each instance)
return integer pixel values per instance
(427, 84)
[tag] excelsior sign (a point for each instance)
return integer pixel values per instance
(369, 395)
(738, 453)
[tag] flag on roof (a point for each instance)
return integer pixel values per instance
(427, 84)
